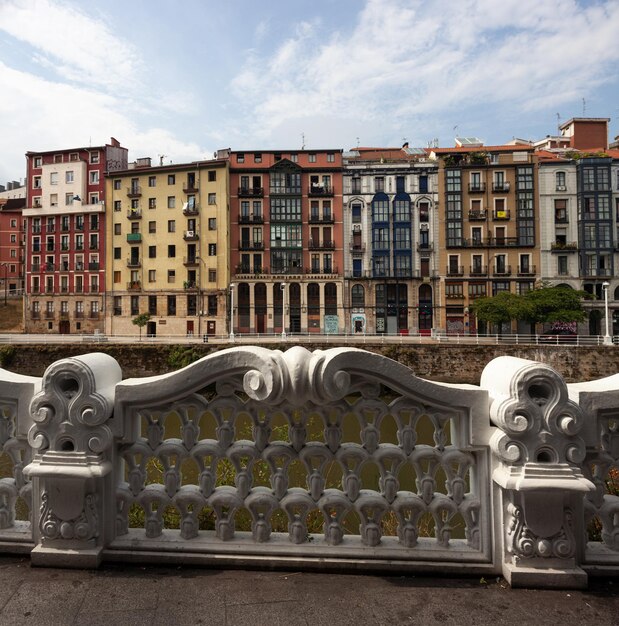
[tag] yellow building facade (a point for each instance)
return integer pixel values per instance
(168, 249)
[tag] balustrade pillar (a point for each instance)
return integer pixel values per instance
(539, 454)
(73, 495)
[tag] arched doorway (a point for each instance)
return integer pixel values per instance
(357, 301)
(313, 307)
(595, 322)
(243, 308)
(294, 321)
(425, 320)
(260, 306)
(278, 302)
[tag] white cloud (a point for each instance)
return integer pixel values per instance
(78, 47)
(410, 61)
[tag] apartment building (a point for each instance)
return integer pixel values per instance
(12, 241)
(390, 229)
(168, 247)
(65, 237)
(488, 227)
(286, 241)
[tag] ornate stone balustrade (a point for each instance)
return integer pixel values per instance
(339, 458)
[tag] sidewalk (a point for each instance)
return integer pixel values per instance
(135, 595)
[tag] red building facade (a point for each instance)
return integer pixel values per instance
(65, 238)
(11, 245)
(286, 241)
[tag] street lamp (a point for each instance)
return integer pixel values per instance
(608, 340)
(232, 286)
(282, 286)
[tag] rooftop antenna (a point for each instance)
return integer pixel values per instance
(161, 157)
(559, 121)
(357, 142)
(455, 129)
(584, 106)
(302, 141)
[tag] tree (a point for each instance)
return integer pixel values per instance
(555, 304)
(140, 321)
(503, 307)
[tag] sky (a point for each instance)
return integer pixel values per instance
(183, 79)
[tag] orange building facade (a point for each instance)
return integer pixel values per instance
(286, 241)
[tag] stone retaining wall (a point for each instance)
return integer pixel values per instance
(444, 363)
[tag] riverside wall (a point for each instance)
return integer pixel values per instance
(444, 363)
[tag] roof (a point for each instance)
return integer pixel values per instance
(465, 149)
(585, 120)
(388, 154)
(12, 204)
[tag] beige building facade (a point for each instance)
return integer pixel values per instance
(168, 248)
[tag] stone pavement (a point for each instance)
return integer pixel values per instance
(135, 595)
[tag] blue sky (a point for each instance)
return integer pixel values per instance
(184, 79)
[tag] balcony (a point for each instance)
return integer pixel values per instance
(94, 315)
(478, 270)
(498, 216)
(595, 272)
(134, 237)
(359, 274)
(320, 190)
(477, 187)
(50, 228)
(561, 219)
(527, 270)
(190, 209)
(134, 214)
(49, 247)
(247, 270)
(425, 247)
(252, 192)
(478, 215)
(190, 285)
(36, 315)
(36, 230)
(49, 315)
(500, 187)
(134, 262)
(134, 285)
(94, 245)
(324, 245)
(357, 248)
(455, 270)
(36, 267)
(502, 242)
(564, 246)
(191, 261)
(79, 315)
(326, 218)
(135, 191)
(251, 245)
(251, 219)
(191, 186)
(93, 267)
(502, 270)
(48, 267)
(190, 235)
(316, 270)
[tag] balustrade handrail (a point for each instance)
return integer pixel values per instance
(493, 479)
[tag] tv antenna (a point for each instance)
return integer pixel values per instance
(161, 157)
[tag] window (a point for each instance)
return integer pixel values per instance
(330, 157)
(240, 158)
(560, 181)
(212, 276)
(117, 184)
(117, 205)
(117, 229)
(294, 158)
(117, 252)
(171, 226)
(68, 199)
(94, 157)
(212, 176)
(94, 177)
(171, 179)
(152, 252)
(212, 305)
(152, 276)
(212, 198)
(356, 213)
(135, 305)
(212, 223)
(152, 227)
(171, 251)
(53, 178)
(358, 296)
(118, 305)
(171, 276)
(454, 180)
(453, 290)
(212, 249)
(152, 203)
(561, 211)
(562, 265)
(152, 305)
(379, 184)
(152, 181)
(38, 161)
(36, 182)
(171, 202)
(53, 199)
(311, 158)
(257, 157)
(68, 176)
